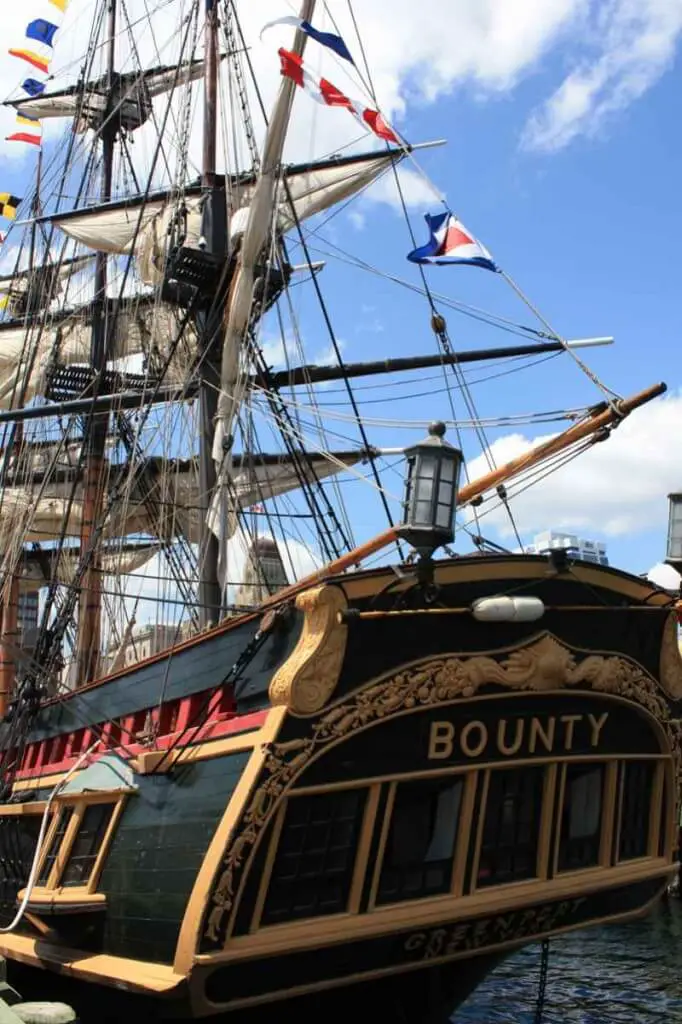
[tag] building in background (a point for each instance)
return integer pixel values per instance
(264, 573)
(577, 547)
(27, 619)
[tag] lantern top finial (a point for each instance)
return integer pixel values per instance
(437, 428)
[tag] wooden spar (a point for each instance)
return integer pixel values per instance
(601, 417)
(90, 604)
(312, 374)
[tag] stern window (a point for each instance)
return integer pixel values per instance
(87, 844)
(509, 846)
(581, 817)
(635, 816)
(313, 868)
(418, 859)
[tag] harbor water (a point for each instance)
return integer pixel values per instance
(623, 974)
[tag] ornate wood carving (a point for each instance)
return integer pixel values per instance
(544, 664)
(308, 678)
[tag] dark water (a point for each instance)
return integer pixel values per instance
(624, 974)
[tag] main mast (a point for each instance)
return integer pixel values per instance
(214, 230)
(90, 606)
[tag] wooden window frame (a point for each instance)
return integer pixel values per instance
(52, 891)
(656, 809)
(361, 855)
(548, 798)
(461, 845)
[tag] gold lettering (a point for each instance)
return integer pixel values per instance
(570, 721)
(502, 744)
(435, 944)
(537, 731)
(597, 726)
(415, 941)
(482, 741)
(441, 739)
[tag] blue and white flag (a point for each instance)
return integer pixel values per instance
(328, 39)
(451, 242)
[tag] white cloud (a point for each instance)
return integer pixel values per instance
(357, 219)
(634, 43)
(664, 576)
(617, 487)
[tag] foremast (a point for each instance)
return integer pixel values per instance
(94, 485)
(238, 308)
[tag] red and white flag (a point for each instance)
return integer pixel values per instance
(324, 92)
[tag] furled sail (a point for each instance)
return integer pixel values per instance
(143, 227)
(43, 281)
(89, 102)
(141, 327)
(61, 564)
(46, 510)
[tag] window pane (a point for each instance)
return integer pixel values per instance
(509, 847)
(62, 825)
(315, 858)
(638, 782)
(420, 847)
(87, 844)
(581, 817)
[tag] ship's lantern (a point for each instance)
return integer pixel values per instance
(433, 470)
(674, 550)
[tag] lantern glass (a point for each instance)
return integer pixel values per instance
(433, 468)
(674, 547)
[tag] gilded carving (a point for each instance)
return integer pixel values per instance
(308, 678)
(543, 665)
(670, 669)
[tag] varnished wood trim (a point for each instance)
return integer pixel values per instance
(192, 921)
(268, 866)
(608, 817)
(198, 752)
(657, 799)
(64, 847)
(34, 807)
(549, 790)
(203, 1007)
(619, 818)
(363, 848)
(116, 971)
(360, 585)
(381, 850)
(464, 769)
(145, 762)
(479, 830)
(74, 894)
(431, 911)
(466, 815)
(103, 851)
(100, 796)
(559, 818)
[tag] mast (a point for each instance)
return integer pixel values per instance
(90, 605)
(214, 230)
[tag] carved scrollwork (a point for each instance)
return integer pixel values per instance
(542, 665)
(308, 678)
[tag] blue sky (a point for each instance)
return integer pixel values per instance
(582, 210)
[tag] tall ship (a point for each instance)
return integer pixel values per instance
(282, 729)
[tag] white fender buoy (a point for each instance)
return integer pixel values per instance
(508, 609)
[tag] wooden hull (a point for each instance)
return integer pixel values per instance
(379, 808)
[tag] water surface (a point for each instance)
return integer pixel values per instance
(623, 974)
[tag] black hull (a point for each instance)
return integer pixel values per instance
(429, 996)
(387, 798)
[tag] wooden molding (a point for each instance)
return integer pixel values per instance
(308, 678)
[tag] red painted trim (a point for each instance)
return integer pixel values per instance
(212, 730)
